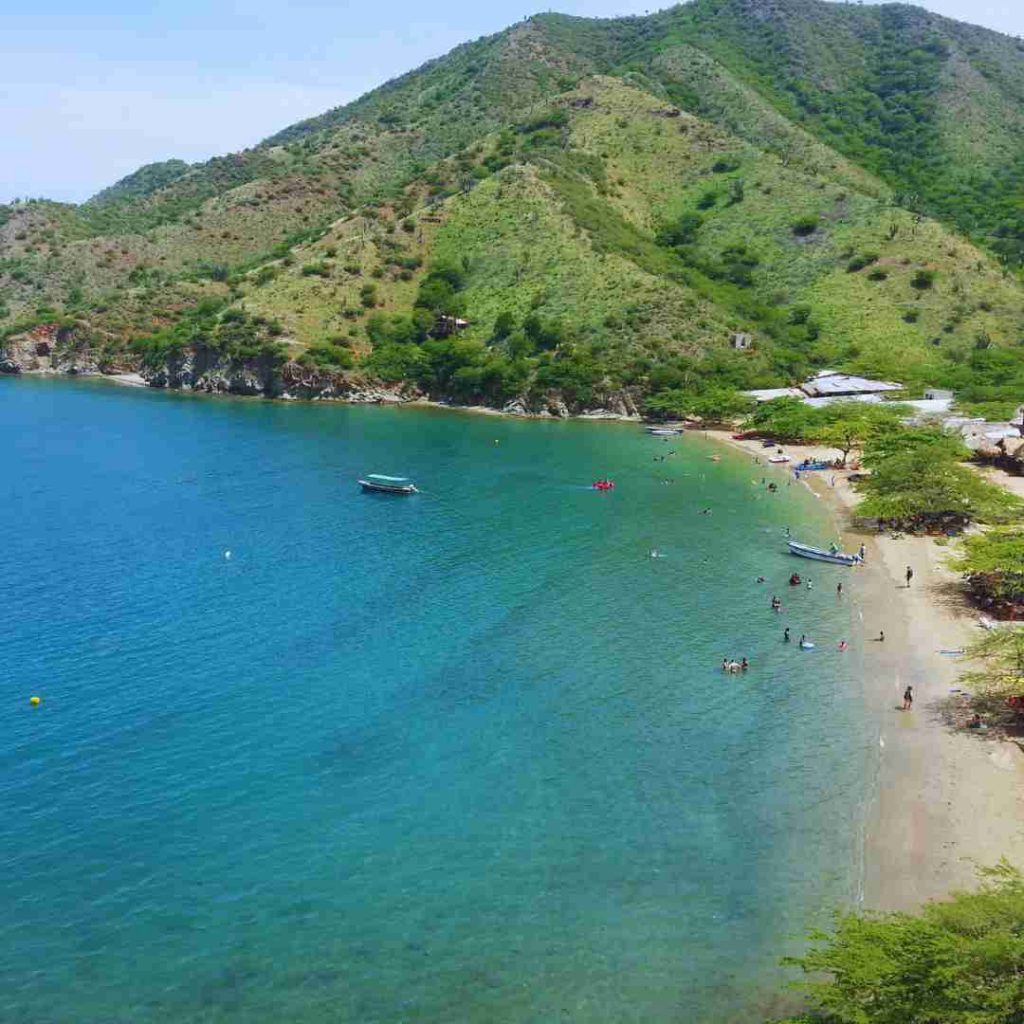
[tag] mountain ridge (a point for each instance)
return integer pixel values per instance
(771, 166)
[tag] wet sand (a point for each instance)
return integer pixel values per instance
(947, 801)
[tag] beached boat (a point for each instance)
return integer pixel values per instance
(388, 484)
(823, 555)
(778, 458)
(813, 464)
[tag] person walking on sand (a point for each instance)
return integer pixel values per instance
(908, 698)
(910, 576)
(862, 554)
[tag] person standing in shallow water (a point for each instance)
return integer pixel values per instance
(785, 635)
(908, 698)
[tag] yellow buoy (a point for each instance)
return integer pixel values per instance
(35, 701)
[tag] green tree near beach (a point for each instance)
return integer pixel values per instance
(960, 961)
(714, 405)
(940, 443)
(850, 425)
(923, 487)
(993, 566)
(1000, 655)
(843, 425)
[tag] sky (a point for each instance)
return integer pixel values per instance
(87, 97)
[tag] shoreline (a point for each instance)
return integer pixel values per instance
(138, 381)
(945, 802)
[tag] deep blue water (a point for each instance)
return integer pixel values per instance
(466, 756)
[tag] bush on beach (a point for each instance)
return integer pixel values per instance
(959, 961)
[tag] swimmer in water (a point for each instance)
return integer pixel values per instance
(843, 645)
(785, 635)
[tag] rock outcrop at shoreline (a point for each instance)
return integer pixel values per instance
(55, 349)
(61, 349)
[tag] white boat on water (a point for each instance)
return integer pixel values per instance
(388, 484)
(664, 431)
(822, 554)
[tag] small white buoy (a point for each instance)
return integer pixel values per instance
(227, 555)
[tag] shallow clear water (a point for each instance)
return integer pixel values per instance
(466, 756)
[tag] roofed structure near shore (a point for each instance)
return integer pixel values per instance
(830, 384)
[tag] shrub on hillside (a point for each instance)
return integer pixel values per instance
(805, 226)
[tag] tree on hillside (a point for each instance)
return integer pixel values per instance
(960, 961)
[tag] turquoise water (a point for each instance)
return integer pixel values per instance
(466, 756)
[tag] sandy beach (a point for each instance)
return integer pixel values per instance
(947, 801)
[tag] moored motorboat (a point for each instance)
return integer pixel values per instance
(388, 484)
(664, 431)
(836, 557)
(778, 458)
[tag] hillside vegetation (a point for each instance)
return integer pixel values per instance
(605, 203)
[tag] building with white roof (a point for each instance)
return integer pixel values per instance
(830, 384)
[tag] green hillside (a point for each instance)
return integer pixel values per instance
(606, 202)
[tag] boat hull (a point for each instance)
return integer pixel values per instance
(820, 555)
(368, 485)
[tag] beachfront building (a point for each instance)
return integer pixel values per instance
(830, 386)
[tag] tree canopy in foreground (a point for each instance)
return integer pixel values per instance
(924, 485)
(993, 565)
(960, 961)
